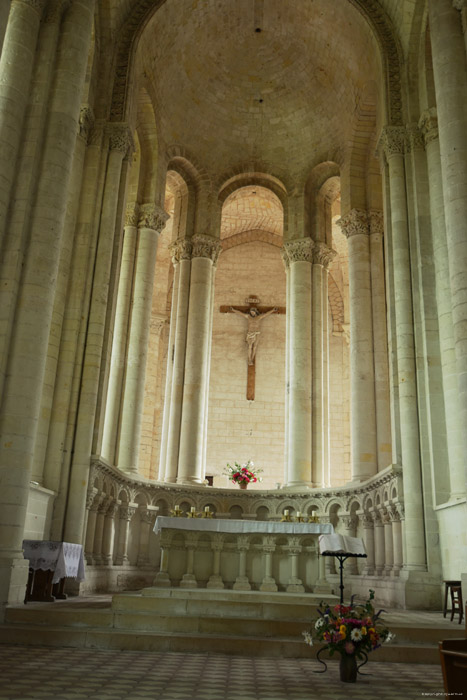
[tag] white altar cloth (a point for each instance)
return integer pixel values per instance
(239, 527)
(63, 558)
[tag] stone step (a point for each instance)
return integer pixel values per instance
(119, 639)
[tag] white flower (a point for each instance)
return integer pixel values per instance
(319, 623)
(356, 635)
(308, 639)
(390, 637)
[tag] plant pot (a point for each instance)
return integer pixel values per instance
(348, 668)
(243, 485)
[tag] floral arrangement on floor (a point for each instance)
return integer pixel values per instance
(349, 629)
(242, 473)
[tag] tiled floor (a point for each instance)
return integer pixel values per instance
(49, 673)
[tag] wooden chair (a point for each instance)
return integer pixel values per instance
(456, 602)
(453, 654)
(447, 590)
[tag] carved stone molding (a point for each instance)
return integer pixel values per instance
(323, 254)
(393, 141)
(300, 250)
(414, 139)
(85, 122)
(428, 125)
(376, 218)
(354, 223)
(120, 138)
(146, 516)
(181, 249)
(132, 214)
(153, 217)
(206, 247)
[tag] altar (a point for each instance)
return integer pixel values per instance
(241, 554)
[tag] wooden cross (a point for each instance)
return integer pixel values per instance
(254, 314)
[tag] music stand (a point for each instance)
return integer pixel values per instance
(340, 550)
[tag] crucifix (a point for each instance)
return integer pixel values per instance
(254, 314)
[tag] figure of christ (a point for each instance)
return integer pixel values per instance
(254, 318)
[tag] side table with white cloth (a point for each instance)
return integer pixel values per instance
(50, 563)
(240, 554)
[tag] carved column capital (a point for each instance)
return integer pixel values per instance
(428, 125)
(132, 214)
(354, 223)
(217, 542)
(120, 138)
(414, 139)
(206, 247)
(181, 249)
(85, 122)
(300, 250)
(323, 254)
(367, 520)
(376, 219)
(393, 141)
(112, 510)
(350, 521)
(127, 512)
(153, 217)
(376, 516)
(243, 543)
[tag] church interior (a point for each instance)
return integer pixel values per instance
(232, 232)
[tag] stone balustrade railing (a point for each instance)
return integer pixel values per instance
(122, 509)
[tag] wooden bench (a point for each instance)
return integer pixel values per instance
(453, 654)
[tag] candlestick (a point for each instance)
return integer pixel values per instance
(206, 509)
(177, 508)
(286, 512)
(299, 512)
(192, 509)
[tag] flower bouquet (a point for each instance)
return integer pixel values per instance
(353, 630)
(242, 474)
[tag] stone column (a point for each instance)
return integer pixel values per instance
(125, 515)
(293, 548)
(322, 257)
(380, 340)
(147, 515)
(450, 76)
(162, 579)
(396, 539)
(120, 142)
(16, 64)
(181, 258)
(454, 426)
(151, 222)
(393, 143)
(22, 390)
(188, 578)
(241, 582)
(215, 580)
(321, 585)
(369, 542)
(362, 378)
(108, 536)
(99, 532)
(379, 542)
(120, 335)
(92, 504)
(300, 259)
(350, 524)
(205, 254)
(269, 547)
(388, 543)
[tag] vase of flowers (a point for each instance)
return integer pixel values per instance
(243, 474)
(352, 630)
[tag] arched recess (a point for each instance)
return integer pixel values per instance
(321, 191)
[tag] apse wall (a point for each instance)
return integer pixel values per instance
(239, 429)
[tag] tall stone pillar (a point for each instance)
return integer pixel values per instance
(151, 222)
(29, 343)
(379, 543)
(120, 335)
(126, 513)
(181, 259)
(206, 251)
(300, 259)
(322, 257)
(16, 65)
(362, 377)
(393, 143)
(380, 340)
(369, 542)
(120, 142)
(450, 76)
(454, 426)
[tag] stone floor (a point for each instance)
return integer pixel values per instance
(51, 673)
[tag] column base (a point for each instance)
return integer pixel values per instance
(162, 580)
(242, 584)
(295, 586)
(268, 585)
(189, 481)
(215, 581)
(188, 581)
(14, 571)
(322, 587)
(298, 485)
